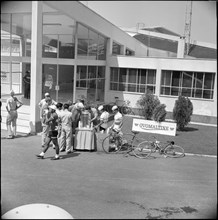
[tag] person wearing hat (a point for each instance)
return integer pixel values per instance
(118, 120)
(12, 104)
(52, 122)
(104, 115)
(76, 113)
(47, 99)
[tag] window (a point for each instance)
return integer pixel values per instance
(91, 45)
(91, 79)
(129, 52)
(58, 36)
(189, 84)
(116, 49)
(132, 80)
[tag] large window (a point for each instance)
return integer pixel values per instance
(91, 45)
(90, 83)
(189, 84)
(58, 36)
(16, 34)
(133, 80)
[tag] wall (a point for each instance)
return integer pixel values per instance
(201, 107)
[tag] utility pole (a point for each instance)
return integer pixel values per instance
(187, 31)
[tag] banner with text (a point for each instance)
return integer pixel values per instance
(141, 125)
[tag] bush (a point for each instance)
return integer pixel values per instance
(182, 112)
(148, 103)
(159, 113)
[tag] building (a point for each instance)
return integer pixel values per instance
(73, 52)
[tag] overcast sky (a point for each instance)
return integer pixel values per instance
(168, 14)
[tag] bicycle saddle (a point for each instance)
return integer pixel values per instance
(171, 142)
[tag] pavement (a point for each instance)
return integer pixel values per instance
(95, 185)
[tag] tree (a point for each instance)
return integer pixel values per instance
(148, 103)
(159, 113)
(182, 112)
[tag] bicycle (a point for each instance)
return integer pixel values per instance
(127, 143)
(124, 108)
(169, 150)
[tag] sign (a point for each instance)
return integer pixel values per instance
(149, 126)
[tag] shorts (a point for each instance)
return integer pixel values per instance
(11, 118)
(53, 134)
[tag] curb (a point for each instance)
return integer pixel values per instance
(200, 155)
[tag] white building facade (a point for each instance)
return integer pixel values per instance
(73, 52)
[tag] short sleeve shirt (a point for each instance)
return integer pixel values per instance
(118, 121)
(104, 117)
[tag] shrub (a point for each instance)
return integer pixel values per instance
(148, 103)
(182, 112)
(159, 113)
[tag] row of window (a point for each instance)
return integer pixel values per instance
(173, 83)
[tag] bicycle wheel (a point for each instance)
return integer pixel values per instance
(143, 150)
(174, 151)
(125, 110)
(109, 145)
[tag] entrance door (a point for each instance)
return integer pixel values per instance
(65, 83)
(49, 80)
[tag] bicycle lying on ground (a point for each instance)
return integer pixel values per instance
(146, 148)
(125, 143)
(123, 106)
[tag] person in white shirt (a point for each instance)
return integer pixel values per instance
(116, 127)
(104, 116)
(118, 120)
(47, 100)
(66, 129)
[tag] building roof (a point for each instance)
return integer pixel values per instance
(161, 30)
(196, 51)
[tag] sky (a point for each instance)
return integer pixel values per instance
(168, 14)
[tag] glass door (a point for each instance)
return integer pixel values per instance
(49, 80)
(65, 83)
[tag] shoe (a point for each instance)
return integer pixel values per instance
(40, 157)
(62, 150)
(10, 137)
(69, 152)
(55, 158)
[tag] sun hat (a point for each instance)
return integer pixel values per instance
(114, 108)
(79, 105)
(52, 107)
(100, 108)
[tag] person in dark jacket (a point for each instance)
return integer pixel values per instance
(26, 80)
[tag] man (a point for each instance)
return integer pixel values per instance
(12, 105)
(26, 80)
(116, 126)
(43, 105)
(76, 113)
(104, 115)
(65, 119)
(47, 99)
(94, 111)
(52, 122)
(58, 111)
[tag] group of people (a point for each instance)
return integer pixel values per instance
(60, 120)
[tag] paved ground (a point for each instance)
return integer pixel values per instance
(94, 185)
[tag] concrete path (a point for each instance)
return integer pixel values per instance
(95, 185)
